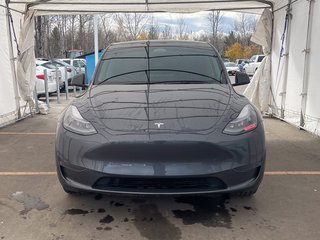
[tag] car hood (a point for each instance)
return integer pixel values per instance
(159, 108)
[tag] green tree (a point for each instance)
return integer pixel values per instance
(55, 43)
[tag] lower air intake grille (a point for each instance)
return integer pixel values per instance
(159, 184)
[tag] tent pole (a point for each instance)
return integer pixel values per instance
(96, 43)
(286, 55)
(305, 80)
(13, 68)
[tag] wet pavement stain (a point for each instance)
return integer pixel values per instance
(29, 202)
(158, 229)
(75, 211)
(248, 208)
(107, 219)
(117, 204)
(101, 210)
(210, 212)
(233, 209)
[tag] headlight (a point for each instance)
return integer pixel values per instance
(245, 122)
(74, 122)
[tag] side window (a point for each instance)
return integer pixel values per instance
(75, 63)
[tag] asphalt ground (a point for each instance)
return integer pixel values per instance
(33, 205)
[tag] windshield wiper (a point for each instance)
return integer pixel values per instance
(119, 75)
(181, 82)
(183, 71)
(155, 70)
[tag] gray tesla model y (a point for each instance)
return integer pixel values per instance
(161, 117)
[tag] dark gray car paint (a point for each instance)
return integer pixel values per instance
(190, 142)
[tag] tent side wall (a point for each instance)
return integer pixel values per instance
(313, 96)
(288, 88)
(8, 109)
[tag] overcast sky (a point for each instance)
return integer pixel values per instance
(196, 22)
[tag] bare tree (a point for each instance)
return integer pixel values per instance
(82, 39)
(214, 19)
(244, 25)
(40, 40)
(167, 32)
(153, 32)
(72, 29)
(108, 35)
(130, 25)
(182, 28)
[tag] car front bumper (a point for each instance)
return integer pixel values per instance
(88, 164)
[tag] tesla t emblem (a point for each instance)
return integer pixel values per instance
(159, 124)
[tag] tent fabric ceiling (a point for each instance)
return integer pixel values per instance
(50, 7)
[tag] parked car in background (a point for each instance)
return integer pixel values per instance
(251, 67)
(239, 61)
(51, 71)
(42, 59)
(57, 64)
(52, 85)
(78, 64)
(63, 67)
(242, 64)
(161, 117)
(231, 67)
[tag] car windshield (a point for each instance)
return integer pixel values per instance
(62, 64)
(260, 58)
(57, 64)
(253, 58)
(159, 65)
(78, 63)
(49, 65)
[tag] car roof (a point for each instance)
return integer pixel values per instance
(177, 43)
(40, 62)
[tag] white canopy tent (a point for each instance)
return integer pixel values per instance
(287, 84)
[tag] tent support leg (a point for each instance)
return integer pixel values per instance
(13, 68)
(286, 55)
(306, 66)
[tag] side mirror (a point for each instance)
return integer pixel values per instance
(241, 79)
(79, 80)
